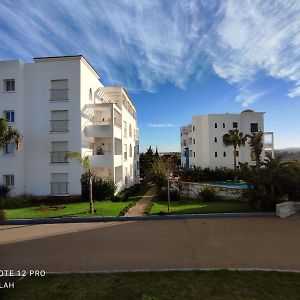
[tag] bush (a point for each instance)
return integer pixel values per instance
(208, 193)
(126, 193)
(15, 202)
(102, 188)
(260, 199)
(163, 195)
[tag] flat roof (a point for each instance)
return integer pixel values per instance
(63, 57)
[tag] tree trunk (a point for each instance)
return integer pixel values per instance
(234, 163)
(257, 163)
(91, 193)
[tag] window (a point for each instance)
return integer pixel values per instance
(190, 141)
(254, 127)
(125, 130)
(9, 180)
(59, 184)
(9, 149)
(130, 130)
(58, 152)
(224, 154)
(235, 125)
(194, 154)
(216, 139)
(59, 120)
(9, 85)
(90, 95)
(223, 125)
(216, 154)
(9, 116)
(193, 128)
(184, 143)
(216, 125)
(125, 152)
(59, 90)
(130, 150)
(237, 153)
(194, 141)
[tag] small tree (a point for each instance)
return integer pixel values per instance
(236, 139)
(158, 173)
(255, 140)
(85, 162)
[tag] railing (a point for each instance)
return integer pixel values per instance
(102, 152)
(59, 94)
(58, 157)
(59, 188)
(59, 125)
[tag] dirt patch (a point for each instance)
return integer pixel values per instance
(50, 208)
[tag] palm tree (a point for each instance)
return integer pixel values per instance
(8, 135)
(236, 139)
(255, 140)
(85, 162)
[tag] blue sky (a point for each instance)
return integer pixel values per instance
(175, 58)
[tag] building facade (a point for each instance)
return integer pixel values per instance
(202, 140)
(59, 104)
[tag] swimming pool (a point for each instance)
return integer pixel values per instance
(229, 184)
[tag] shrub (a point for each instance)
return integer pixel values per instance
(102, 188)
(15, 202)
(126, 193)
(261, 199)
(208, 193)
(163, 195)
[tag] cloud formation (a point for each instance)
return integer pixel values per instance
(162, 125)
(143, 44)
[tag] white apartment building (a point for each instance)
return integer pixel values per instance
(202, 140)
(58, 104)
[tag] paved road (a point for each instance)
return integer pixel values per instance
(191, 243)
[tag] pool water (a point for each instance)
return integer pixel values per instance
(230, 184)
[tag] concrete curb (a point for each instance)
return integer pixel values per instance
(137, 218)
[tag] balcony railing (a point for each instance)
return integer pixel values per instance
(59, 94)
(59, 125)
(58, 157)
(59, 188)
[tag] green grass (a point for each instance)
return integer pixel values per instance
(197, 207)
(103, 208)
(175, 285)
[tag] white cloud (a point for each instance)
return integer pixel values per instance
(247, 96)
(162, 125)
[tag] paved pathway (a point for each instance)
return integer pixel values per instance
(139, 208)
(264, 242)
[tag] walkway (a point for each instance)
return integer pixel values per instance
(269, 243)
(139, 208)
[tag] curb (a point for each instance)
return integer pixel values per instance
(137, 218)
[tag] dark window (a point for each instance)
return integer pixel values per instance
(216, 125)
(9, 116)
(9, 85)
(194, 141)
(216, 139)
(254, 127)
(235, 125)
(193, 128)
(194, 154)
(180, 133)
(237, 153)
(224, 154)
(223, 125)
(216, 154)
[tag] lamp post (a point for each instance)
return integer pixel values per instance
(168, 195)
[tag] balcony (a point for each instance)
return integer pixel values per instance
(59, 188)
(59, 94)
(58, 157)
(98, 129)
(107, 160)
(59, 125)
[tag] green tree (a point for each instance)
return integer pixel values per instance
(236, 139)
(146, 160)
(158, 173)
(85, 162)
(255, 141)
(8, 135)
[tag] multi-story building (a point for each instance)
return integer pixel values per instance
(202, 140)
(58, 104)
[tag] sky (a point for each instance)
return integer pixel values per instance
(175, 58)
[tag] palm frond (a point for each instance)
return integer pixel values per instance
(73, 155)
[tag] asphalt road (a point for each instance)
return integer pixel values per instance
(264, 242)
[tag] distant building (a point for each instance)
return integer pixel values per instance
(202, 140)
(58, 104)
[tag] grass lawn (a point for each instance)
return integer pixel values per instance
(103, 208)
(197, 207)
(173, 285)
